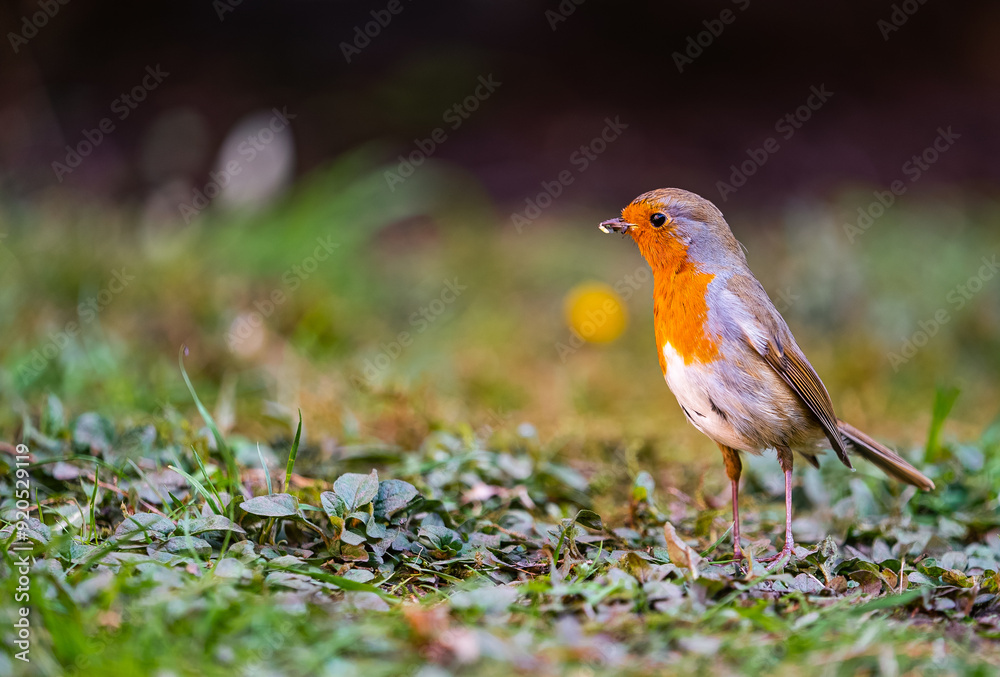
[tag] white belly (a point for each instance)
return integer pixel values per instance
(693, 385)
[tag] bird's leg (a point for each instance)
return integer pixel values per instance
(785, 461)
(737, 550)
(734, 466)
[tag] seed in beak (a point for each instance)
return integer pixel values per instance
(615, 226)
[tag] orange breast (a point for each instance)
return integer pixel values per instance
(680, 309)
(680, 313)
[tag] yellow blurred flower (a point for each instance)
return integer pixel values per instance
(596, 312)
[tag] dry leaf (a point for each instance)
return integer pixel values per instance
(680, 552)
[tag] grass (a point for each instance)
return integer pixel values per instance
(312, 494)
(474, 556)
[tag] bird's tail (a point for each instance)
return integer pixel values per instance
(885, 458)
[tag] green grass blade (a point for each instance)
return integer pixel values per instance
(719, 540)
(92, 518)
(889, 601)
(944, 400)
(293, 453)
(342, 583)
(204, 472)
(263, 464)
(198, 487)
(232, 471)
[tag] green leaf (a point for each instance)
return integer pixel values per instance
(272, 505)
(589, 519)
(642, 488)
(53, 417)
(229, 567)
(440, 540)
(357, 489)
(144, 523)
(78, 551)
(333, 505)
(290, 578)
(376, 530)
(957, 578)
(34, 530)
(359, 575)
(243, 551)
(393, 495)
(181, 545)
(211, 523)
(92, 432)
(351, 538)
(286, 562)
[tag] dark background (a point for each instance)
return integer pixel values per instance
(940, 69)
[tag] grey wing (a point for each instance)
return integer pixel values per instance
(768, 334)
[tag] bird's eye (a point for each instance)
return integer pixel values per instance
(658, 219)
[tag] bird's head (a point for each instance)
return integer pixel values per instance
(670, 224)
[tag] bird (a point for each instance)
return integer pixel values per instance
(728, 355)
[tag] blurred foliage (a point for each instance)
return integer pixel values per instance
(469, 555)
(333, 342)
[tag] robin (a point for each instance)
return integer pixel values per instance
(727, 354)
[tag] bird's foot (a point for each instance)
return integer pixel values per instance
(779, 560)
(738, 561)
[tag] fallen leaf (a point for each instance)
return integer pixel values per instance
(681, 554)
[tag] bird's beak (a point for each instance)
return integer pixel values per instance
(616, 226)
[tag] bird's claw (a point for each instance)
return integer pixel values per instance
(776, 561)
